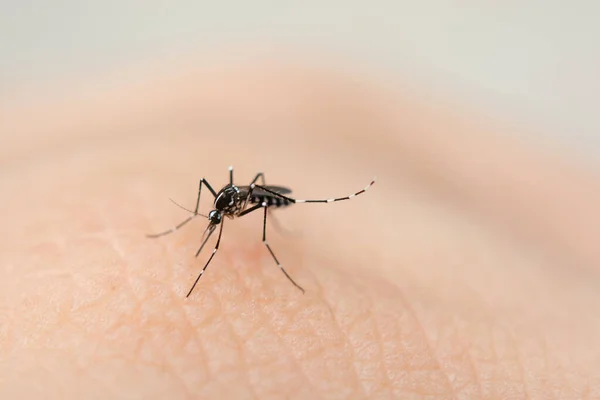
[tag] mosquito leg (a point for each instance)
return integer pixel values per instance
(248, 211)
(261, 176)
(252, 185)
(211, 256)
(264, 238)
(276, 224)
(204, 181)
(316, 201)
(264, 205)
(155, 235)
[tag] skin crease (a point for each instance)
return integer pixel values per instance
(469, 270)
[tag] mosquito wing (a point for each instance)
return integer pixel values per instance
(259, 192)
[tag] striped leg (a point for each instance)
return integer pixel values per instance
(264, 239)
(316, 201)
(211, 256)
(231, 175)
(261, 176)
(252, 186)
(274, 221)
(204, 181)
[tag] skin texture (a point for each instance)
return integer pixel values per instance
(470, 269)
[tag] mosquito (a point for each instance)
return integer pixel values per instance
(234, 201)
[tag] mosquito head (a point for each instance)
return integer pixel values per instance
(215, 217)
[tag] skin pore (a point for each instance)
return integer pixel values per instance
(469, 270)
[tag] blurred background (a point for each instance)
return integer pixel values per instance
(530, 61)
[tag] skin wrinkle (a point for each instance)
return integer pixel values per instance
(506, 371)
(296, 362)
(342, 332)
(557, 370)
(467, 350)
(486, 363)
(374, 323)
(189, 327)
(351, 326)
(492, 312)
(424, 335)
(475, 374)
(256, 258)
(199, 334)
(195, 333)
(558, 366)
(345, 345)
(468, 383)
(507, 360)
(399, 388)
(357, 381)
(495, 356)
(281, 340)
(453, 353)
(187, 391)
(135, 296)
(519, 365)
(549, 383)
(166, 360)
(244, 356)
(196, 339)
(115, 245)
(323, 300)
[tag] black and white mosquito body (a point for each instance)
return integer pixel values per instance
(236, 201)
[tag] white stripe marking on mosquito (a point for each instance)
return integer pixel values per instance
(300, 201)
(351, 196)
(330, 200)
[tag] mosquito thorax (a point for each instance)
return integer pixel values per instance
(227, 200)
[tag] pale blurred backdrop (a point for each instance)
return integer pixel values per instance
(529, 61)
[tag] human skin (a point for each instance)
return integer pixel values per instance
(469, 270)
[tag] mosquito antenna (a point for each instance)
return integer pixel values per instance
(187, 209)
